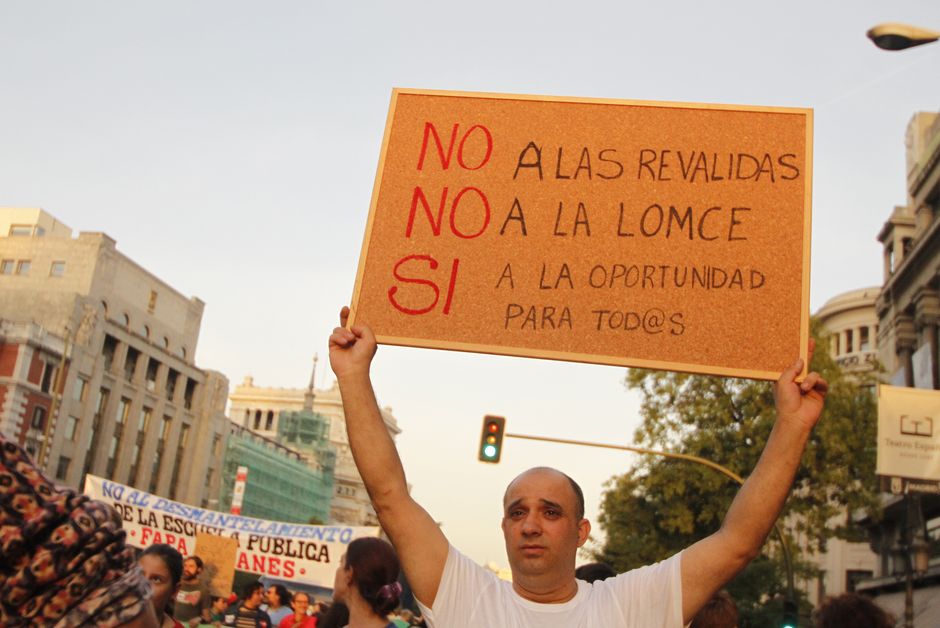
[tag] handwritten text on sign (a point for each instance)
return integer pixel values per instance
(289, 551)
(647, 234)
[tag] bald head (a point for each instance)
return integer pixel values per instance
(575, 489)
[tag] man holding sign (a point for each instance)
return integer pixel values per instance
(544, 525)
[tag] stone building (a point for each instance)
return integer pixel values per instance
(908, 309)
(259, 409)
(96, 364)
(852, 324)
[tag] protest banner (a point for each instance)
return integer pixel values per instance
(287, 551)
(908, 454)
(650, 234)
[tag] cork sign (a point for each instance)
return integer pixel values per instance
(651, 234)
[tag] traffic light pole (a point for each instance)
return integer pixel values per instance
(791, 591)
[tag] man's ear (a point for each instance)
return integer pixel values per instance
(584, 531)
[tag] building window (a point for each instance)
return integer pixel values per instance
(269, 421)
(854, 576)
(7, 266)
(100, 407)
(62, 468)
(189, 393)
(180, 454)
(21, 230)
(166, 343)
(22, 267)
(143, 423)
(130, 363)
(151, 378)
(48, 372)
(257, 420)
(158, 453)
(39, 418)
(80, 390)
(57, 269)
(864, 343)
(118, 436)
(145, 330)
(127, 320)
(71, 427)
(170, 390)
(108, 350)
(849, 345)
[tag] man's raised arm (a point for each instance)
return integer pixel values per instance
(421, 546)
(713, 561)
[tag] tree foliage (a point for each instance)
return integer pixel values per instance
(664, 505)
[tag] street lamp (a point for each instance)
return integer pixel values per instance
(894, 36)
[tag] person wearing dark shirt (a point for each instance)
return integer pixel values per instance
(248, 613)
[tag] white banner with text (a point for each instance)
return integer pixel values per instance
(288, 551)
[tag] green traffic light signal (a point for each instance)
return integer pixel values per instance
(491, 440)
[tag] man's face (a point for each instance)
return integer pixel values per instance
(272, 597)
(541, 525)
(190, 569)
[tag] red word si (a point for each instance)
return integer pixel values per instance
(429, 299)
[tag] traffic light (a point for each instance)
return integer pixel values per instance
(790, 613)
(491, 440)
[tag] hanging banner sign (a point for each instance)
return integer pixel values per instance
(652, 234)
(238, 490)
(908, 457)
(287, 551)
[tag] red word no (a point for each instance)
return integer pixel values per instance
(430, 130)
(437, 220)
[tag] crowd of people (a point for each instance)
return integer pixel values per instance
(366, 593)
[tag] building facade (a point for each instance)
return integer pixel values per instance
(96, 364)
(281, 485)
(260, 409)
(852, 324)
(908, 309)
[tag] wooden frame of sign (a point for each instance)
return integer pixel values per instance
(651, 234)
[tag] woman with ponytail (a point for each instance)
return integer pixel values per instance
(367, 582)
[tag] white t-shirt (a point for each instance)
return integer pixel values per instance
(469, 595)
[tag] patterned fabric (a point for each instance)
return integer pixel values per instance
(63, 560)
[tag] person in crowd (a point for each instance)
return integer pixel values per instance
(64, 560)
(192, 601)
(215, 614)
(336, 616)
(247, 613)
(278, 598)
(367, 583)
(543, 523)
(592, 572)
(163, 567)
(718, 612)
(852, 609)
(300, 618)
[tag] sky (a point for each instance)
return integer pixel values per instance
(231, 148)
